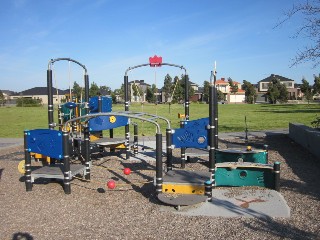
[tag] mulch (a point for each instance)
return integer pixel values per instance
(132, 211)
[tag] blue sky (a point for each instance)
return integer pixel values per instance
(109, 36)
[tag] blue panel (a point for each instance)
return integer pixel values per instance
(200, 123)
(194, 134)
(107, 122)
(106, 104)
(45, 141)
(190, 137)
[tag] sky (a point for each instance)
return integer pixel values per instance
(109, 36)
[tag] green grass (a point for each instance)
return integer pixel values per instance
(14, 120)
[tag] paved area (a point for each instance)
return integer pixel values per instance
(245, 203)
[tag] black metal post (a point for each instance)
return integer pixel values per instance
(60, 117)
(215, 112)
(208, 189)
(86, 92)
(66, 163)
(27, 165)
(50, 99)
(87, 151)
(169, 148)
(211, 126)
(126, 108)
(159, 173)
(266, 148)
(183, 150)
(276, 170)
(135, 139)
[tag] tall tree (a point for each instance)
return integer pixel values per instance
(309, 28)
(94, 90)
(182, 83)
(233, 87)
(167, 87)
(105, 90)
(206, 86)
(177, 94)
(250, 92)
(2, 99)
(306, 89)
(277, 92)
(77, 90)
(316, 85)
(137, 92)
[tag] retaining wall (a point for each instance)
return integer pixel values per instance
(307, 137)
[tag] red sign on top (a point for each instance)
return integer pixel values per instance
(155, 61)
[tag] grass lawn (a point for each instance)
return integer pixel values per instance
(13, 120)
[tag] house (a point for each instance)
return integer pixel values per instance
(198, 92)
(224, 87)
(263, 85)
(7, 96)
(133, 88)
(41, 93)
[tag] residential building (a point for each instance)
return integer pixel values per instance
(41, 93)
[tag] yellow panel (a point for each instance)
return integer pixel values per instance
(121, 146)
(184, 189)
(94, 137)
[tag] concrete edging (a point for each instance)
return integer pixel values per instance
(307, 137)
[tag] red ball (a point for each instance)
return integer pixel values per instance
(127, 171)
(111, 184)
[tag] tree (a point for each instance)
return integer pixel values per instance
(2, 99)
(177, 94)
(77, 90)
(206, 87)
(220, 96)
(277, 92)
(94, 90)
(233, 87)
(250, 92)
(137, 92)
(167, 87)
(316, 85)
(150, 97)
(105, 90)
(182, 83)
(310, 28)
(306, 89)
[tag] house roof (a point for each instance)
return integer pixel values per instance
(40, 91)
(282, 79)
(8, 92)
(221, 82)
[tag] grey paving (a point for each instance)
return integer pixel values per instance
(247, 203)
(10, 142)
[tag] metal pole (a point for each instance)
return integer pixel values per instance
(66, 163)
(27, 165)
(126, 108)
(159, 174)
(211, 126)
(169, 148)
(86, 93)
(87, 151)
(276, 169)
(50, 99)
(135, 139)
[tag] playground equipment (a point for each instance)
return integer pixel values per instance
(176, 187)
(228, 167)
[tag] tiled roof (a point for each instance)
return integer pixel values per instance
(282, 79)
(40, 91)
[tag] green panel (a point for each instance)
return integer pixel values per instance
(239, 177)
(234, 155)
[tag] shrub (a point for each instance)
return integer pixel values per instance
(28, 102)
(316, 123)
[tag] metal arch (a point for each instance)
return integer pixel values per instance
(52, 61)
(148, 64)
(135, 115)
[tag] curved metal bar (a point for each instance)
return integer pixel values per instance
(90, 116)
(149, 115)
(148, 64)
(52, 61)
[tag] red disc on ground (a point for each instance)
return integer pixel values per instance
(111, 184)
(127, 171)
